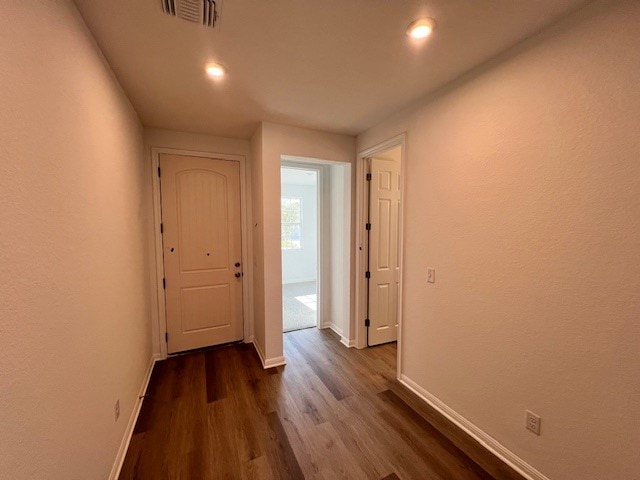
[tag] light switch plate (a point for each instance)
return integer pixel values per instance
(431, 275)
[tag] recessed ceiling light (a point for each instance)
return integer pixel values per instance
(421, 28)
(216, 70)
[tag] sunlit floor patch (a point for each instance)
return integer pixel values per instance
(299, 306)
(309, 301)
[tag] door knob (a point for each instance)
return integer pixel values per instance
(238, 274)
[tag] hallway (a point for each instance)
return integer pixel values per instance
(330, 413)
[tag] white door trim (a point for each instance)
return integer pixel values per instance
(160, 328)
(361, 235)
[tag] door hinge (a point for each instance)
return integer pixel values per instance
(367, 274)
(164, 283)
(366, 322)
(158, 171)
(368, 177)
(166, 337)
(161, 228)
(368, 226)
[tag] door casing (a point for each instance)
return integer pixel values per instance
(159, 323)
(361, 238)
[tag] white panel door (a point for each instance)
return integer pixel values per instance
(202, 251)
(384, 265)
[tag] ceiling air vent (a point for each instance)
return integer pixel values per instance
(204, 12)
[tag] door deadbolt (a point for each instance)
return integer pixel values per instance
(237, 264)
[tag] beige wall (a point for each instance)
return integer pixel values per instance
(258, 240)
(190, 142)
(154, 137)
(271, 142)
(73, 271)
(523, 191)
(340, 291)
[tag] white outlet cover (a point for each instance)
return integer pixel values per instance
(532, 422)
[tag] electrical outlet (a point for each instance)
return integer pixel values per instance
(116, 409)
(532, 422)
(431, 275)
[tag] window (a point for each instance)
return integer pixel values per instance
(291, 217)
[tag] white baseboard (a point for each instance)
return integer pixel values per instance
(335, 328)
(347, 343)
(486, 440)
(343, 340)
(274, 362)
(124, 445)
(268, 362)
(259, 350)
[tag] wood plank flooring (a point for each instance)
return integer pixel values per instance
(330, 413)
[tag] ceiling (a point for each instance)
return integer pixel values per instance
(335, 65)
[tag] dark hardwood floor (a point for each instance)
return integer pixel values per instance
(330, 413)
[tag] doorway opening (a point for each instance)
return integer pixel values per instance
(379, 261)
(300, 228)
(316, 245)
(200, 249)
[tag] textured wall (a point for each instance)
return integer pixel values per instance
(74, 309)
(340, 254)
(523, 191)
(257, 232)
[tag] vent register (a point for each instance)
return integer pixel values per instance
(204, 12)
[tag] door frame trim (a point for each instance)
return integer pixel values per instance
(160, 327)
(361, 235)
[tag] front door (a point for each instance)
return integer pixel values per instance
(202, 251)
(384, 265)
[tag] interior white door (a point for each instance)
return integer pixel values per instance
(202, 251)
(384, 265)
